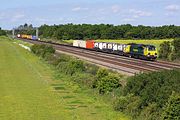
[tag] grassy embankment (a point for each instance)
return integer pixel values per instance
(29, 91)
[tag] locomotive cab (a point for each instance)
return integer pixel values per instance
(150, 52)
(142, 51)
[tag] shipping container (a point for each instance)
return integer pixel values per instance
(75, 43)
(90, 44)
(79, 43)
(24, 36)
(29, 36)
(110, 46)
(34, 38)
(96, 45)
(19, 35)
(120, 47)
(104, 45)
(82, 44)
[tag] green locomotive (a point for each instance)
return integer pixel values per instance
(142, 51)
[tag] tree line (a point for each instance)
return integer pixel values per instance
(2, 32)
(108, 31)
(102, 31)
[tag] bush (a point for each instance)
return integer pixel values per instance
(2, 32)
(75, 66)
(70, 66)
(165, 50)
(176, 51)
(100, 74)
(168, 52)
(153, 89)
(172, 108)
(42, 50)
(106, 82)
(92, 69)
(151, 112)
(121, 103)
(83, 79)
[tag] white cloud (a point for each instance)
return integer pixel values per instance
(172, 8)
(18, 16)
(12, 16)
(79, 9)
(139, 13)
(128, 20)
(115, 8)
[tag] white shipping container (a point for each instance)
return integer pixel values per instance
(120, 47)
(79, 43)
(110, 46)
(115, 47)
(82, 43)
(75, 43)
(18, 35)
(100, 46)
(96, 45)
(104, 45)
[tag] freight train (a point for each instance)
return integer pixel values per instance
(30, 37)
(141, 51)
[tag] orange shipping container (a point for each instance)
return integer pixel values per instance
(90, 44)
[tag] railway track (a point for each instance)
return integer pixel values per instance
(129, 66)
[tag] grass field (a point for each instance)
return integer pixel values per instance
(30, 91)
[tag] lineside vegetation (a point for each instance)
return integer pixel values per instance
(147, 96)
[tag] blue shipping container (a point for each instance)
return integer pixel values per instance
(34, 38)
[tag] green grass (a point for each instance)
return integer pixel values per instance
(29, 91)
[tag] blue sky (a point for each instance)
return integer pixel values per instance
(135, 12)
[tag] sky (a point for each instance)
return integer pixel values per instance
(136, 12)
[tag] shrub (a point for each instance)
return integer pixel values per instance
(176, 51)
(2, 32)
(153, 90)
(83, 79)
(108, 83)
(172, 108)
(165, 50)
(121, 103)
(42, 50)
(100, 74)
(128, 104)
(150, 112)
(70, 66)
(75, 66)
(92, 69)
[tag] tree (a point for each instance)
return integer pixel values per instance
(165, 50)
(176, 44)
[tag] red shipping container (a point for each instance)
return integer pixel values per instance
(90, 44)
